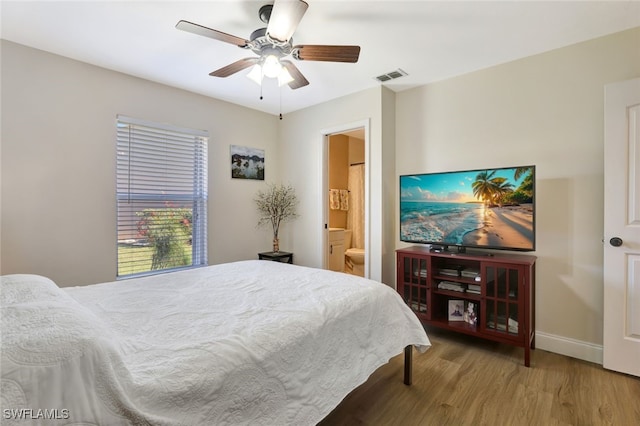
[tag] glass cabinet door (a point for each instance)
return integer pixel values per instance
(501, 296)
(414, 281)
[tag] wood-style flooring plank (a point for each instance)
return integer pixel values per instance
(462, 380)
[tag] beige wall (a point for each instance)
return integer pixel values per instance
(58, 164)
(545, 110)
(387, 184)
(302, 150)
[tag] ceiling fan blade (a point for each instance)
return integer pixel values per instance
(190, 27)
(234, 67)
(285, 17)
(318, 52)
(298, 79)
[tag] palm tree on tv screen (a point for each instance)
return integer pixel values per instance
(490, 188)
(527, 183)
(502, 187)
(495, 190)
(483, 187)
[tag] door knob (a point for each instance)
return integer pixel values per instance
(615, 241)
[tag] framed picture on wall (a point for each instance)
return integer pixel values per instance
(456, 310)
(247, 163)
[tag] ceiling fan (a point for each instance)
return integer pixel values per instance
(274, 43)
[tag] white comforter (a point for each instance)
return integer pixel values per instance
(251, 342)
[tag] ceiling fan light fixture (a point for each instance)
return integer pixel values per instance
(271, 66)
(284, 77)
(255, 74)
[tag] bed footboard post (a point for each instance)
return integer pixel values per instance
(408, 364)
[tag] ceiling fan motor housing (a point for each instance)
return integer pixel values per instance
(262, 45)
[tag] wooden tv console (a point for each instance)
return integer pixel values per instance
(499, 287)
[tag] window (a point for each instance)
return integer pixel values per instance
(161, 192)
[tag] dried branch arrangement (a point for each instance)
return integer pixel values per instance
(276, 204)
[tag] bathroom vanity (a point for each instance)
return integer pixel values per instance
(335, 249)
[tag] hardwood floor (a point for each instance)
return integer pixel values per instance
(461, 380)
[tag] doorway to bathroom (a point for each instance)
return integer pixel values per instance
(345, 209)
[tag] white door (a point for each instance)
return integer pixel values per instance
(621, 341)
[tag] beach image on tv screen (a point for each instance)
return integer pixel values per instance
(481, 208)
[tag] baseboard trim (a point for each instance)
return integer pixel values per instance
(570, 347)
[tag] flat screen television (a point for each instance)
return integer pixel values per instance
(484, 208)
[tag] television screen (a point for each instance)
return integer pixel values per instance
(488, 208)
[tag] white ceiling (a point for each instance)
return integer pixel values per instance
(429, 40)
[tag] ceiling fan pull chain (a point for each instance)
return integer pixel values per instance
(261, 80)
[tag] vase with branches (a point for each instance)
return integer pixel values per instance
(276, 204)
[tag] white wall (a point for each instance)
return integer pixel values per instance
(58, 164)
(301, 154)
(545, 110)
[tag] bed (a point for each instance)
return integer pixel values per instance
(250, 342)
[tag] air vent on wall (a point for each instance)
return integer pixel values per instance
(391, 75)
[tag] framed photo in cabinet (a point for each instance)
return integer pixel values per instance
(470, 314)
(456, 310)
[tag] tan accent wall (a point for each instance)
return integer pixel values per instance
(338, 175)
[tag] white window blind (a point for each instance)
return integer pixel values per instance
(161, 197)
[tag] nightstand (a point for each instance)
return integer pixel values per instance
(281, 256)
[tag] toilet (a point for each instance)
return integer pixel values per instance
(353, 257)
